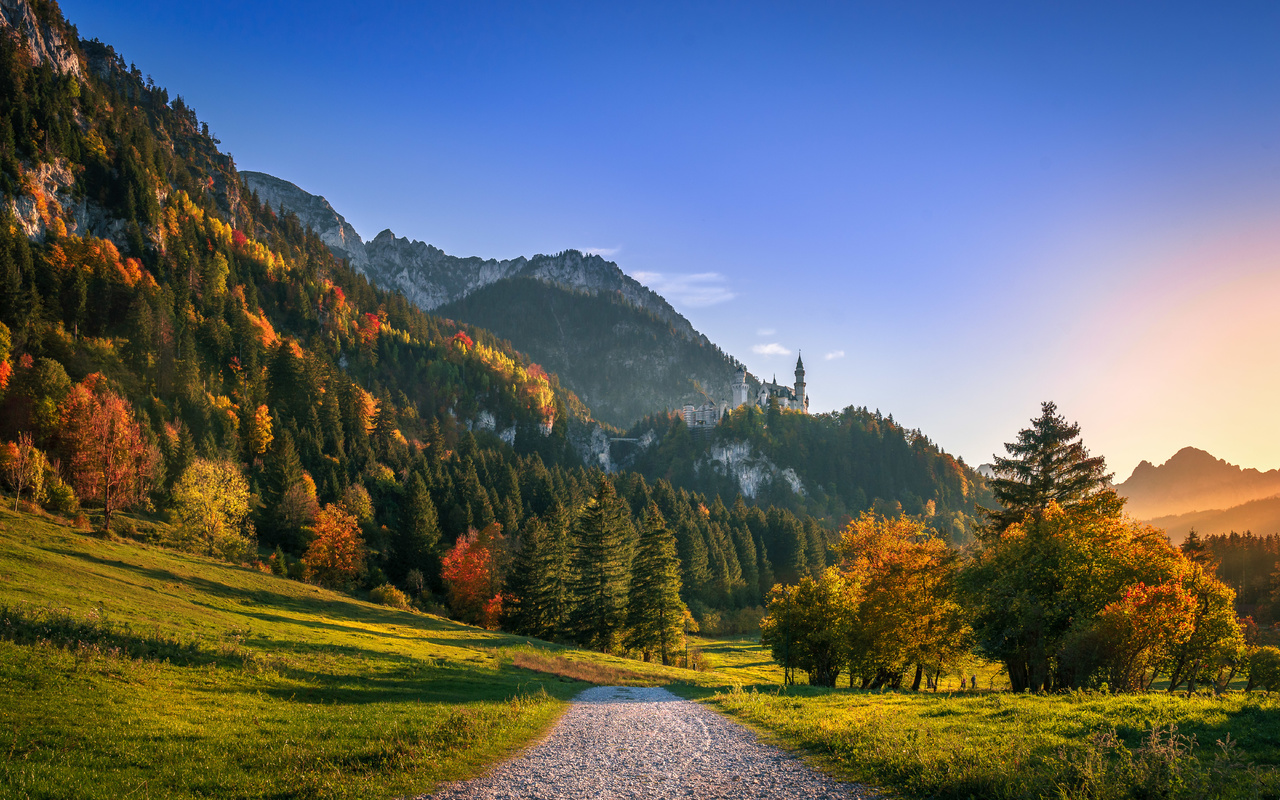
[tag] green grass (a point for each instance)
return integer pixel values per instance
(1001, 745)
(130, 670)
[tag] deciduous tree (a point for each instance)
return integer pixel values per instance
(336, 553)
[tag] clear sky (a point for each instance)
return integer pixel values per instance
(955, 210)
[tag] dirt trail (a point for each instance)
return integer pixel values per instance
(623, 742)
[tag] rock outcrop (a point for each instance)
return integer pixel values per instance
(44, 37)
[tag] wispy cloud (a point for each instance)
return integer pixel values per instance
(771, 349)
(766, 331)
(602, 251)
(834, 354)
(696, 289)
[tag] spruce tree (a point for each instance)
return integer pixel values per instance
(599, 570)
(655, 613)
(282, 475)
(418, 539)
(1049, 464)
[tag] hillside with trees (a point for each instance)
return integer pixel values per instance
(834, 466)
(624, 361)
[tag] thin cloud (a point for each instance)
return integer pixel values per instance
(771, 349)
(766, 331)
(833, 355)
(602, 251)
(697, 289)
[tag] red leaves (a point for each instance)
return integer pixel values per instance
(467, 570)
(462, 341)
(336, 553)
(238, 239)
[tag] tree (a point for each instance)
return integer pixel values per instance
(467, 571)
(1048, 464)
(906, 611)
(110, 459)
(336, 553)
(288, 496)
(599, 566)
(807, 626)
(211, 500)
(417, 542)
(23, 467)
(655, 613)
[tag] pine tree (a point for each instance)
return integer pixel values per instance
(1049, 464)
(599, 569)
(284, 495)
(655, 613)
(418, 539)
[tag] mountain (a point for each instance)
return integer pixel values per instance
(1193, 480)
(1260, 517)
(618, 345)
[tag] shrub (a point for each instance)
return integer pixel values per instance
(60, 498)
(388, 595)
(1264, 669)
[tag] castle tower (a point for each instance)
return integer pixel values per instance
(800, 401)
(740, 388)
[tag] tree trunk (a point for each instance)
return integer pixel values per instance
(915, 684)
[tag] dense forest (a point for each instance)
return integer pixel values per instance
(843, 463)
(624, 361)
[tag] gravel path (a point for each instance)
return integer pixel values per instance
(617, 742)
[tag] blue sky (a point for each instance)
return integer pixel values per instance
(956, 210)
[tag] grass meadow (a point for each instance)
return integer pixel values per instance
(129, 670)
(134, 671)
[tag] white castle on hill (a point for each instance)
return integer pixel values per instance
(794, 398)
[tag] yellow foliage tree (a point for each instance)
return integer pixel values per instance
(211, 501)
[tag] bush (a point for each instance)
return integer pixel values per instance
(388, 595)
(1264, 669)
(60, 498)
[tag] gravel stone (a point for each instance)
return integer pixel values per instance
(622, 742)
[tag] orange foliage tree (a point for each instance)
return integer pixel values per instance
(336, 553)
(468, 573)
(110, 458)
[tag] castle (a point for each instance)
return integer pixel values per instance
(708, 414)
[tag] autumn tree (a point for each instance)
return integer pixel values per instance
(655, 613)
(23, 467)
(905, 612)
(467, 571)
(211, 502)
(600, 563)
(288, 495)
(110, 459)
(336, 553)
(1048, 464)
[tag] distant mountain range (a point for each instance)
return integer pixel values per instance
(1193, 489)
(617, 344)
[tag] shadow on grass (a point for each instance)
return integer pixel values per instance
(90, 635)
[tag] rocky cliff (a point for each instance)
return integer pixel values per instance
(430, 277)
(44, 34)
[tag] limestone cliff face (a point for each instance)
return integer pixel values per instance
(44, 37)
(314, 211)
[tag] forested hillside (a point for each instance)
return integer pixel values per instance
(623, 361)
(833, 466)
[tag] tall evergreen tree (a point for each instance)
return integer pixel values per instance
(655, 613)
(418, 539)
(600, 565)
(1049, 464)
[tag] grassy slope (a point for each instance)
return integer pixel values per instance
(127, 670)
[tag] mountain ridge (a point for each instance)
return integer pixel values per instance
(1193, 480)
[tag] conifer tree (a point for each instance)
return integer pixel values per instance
(599, 570)
(418, 540)
(284, 501)
(655, 613)
(1049, 464)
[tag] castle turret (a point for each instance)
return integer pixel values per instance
(740, 387)
(801, 404)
